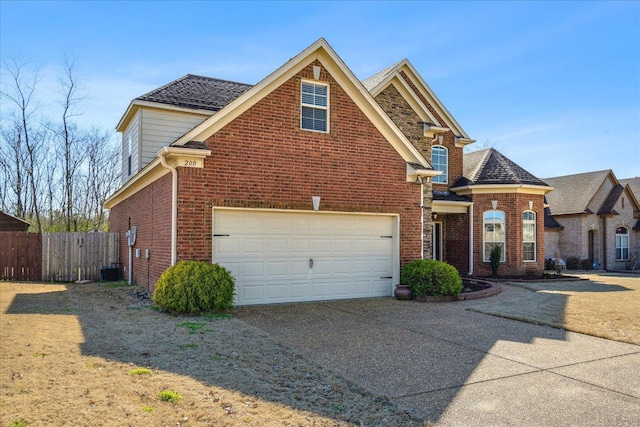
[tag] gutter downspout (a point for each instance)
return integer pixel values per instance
(174, 207)
(471, 239)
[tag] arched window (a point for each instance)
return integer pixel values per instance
(528, 236)
(622, 243)
(493, 235)
(439, 161)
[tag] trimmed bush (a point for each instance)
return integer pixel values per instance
(430, 277)
(194, 287)
(573, 263)
(495, 257)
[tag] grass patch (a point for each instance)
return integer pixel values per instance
(193, 327)
(40, 354)
(215, 316)
(17, 423)
(169, 396)
(118, 284)
(140, 371)
(148, 409)
(186, 346)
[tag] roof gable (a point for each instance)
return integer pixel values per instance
(404, 70)
(322, 52)
(573, 194)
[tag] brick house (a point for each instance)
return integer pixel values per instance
(595, 217)
(310, 185)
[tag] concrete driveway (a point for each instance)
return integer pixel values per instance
(451, 366)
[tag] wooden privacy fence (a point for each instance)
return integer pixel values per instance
(56, 257)
(67, 257)
(20, 256)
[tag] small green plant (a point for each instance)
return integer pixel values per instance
(186, 346)
(140, 371)
(495, 257)
(18, 423)
(40, 354)
(193, 327)
(169, 396)
(148, 408)
(194, 287)
(428, 277)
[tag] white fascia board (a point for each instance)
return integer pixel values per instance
(501, 188)
(451, 207)
(321, 51)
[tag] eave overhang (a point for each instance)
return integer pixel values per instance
(450, 206)
(468, 190)
(137, 104)
(175, 157)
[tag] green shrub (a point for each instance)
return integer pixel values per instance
(573, 263)
(194, 287)
(430, 277)
(495, 257)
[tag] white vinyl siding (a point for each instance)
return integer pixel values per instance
(160, 128)
(315, 106)
(131, 133)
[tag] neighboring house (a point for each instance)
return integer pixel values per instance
(310, 185)
(11, 223)
(594, 217)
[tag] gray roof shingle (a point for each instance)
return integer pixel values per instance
(572, 193)
(492, 167)
(634, 184)
(198, 92)
(371, 82)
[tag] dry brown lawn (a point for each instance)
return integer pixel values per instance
(604, 305)
(71, 355)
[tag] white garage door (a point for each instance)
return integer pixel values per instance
(280, 256)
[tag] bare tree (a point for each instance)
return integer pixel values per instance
(26, 142)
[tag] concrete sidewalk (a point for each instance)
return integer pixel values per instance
(451, 366)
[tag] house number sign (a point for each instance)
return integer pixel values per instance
(191, 162)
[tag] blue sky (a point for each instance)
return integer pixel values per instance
(555, 86)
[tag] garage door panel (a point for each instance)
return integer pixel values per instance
(253, 269)
(268, 254)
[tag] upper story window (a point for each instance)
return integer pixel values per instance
(622, 243)
(528, 236)
(315, 106)
(439, 160)
(493, 223)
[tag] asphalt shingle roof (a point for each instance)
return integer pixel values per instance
(491, 167)
(634, 184)
(572, 193)
(198, 92)
(371, 82)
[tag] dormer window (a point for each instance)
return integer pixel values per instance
(315, 106)
(439, 160)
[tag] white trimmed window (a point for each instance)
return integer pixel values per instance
(622, 243)
(493, 224)
(528, 236)
(439, 160)
(315, 106)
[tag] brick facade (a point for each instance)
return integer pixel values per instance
(263, 159)
(150, 211)
(513, 204)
